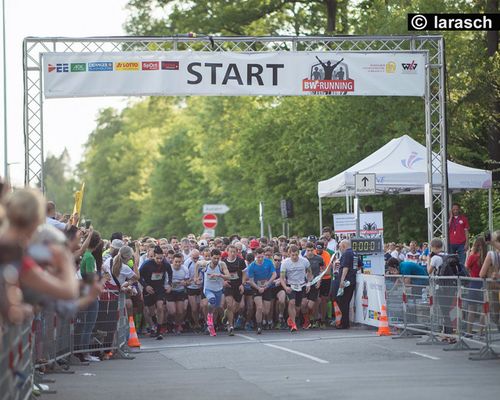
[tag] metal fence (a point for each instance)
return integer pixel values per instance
(456, 311)
(51, 343)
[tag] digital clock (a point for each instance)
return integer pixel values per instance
(366, 245)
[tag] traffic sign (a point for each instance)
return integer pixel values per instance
(209, 221)
(209, 232)
(215, 209)
(365, 184)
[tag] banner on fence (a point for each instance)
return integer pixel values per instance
(233, 74)
(369, 297)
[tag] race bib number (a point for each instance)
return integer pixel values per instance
(212, 277)
(234, 276)
(156, 276)
(176, 285)
(296, 287)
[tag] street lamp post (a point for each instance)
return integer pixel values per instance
(6, 164)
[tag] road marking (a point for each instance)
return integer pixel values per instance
(245, 337)
(298, 353)
(424, 355)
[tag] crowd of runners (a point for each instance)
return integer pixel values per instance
(227, 283)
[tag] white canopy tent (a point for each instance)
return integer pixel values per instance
(401, 168)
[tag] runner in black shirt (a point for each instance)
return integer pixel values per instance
(155, 275)
(233, 289)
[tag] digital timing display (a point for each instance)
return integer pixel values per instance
(366, 245)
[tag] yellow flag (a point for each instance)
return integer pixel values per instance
(79, 200)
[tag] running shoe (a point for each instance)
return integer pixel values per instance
(159, 337)
(293, 328)
(315, 325)
(239, 323)
(230, 331)
(307, 323)
(259, 330)
(289, 322)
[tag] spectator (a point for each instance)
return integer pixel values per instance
(473, 264)
(491, 270)
(413, 255)
(52, 220)
(458, 233)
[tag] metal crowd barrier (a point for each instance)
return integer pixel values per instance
(50, 343)
(458, 311)
(16, 367)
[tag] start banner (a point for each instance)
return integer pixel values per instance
(185, 73)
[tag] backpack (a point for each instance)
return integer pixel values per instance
(451, 267)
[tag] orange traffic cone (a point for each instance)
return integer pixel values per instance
(133, 340)
(338, 314)
(383, 328)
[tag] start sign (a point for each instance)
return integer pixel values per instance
(209, 221)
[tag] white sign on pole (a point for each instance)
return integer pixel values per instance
(427, 195)
(204, 73)
(371, 224)
(209, 232)
(365, 184)
(369, 298)
(215, 209)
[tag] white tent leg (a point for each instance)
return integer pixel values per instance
(490, 209)
(346, 202)
(320, 208)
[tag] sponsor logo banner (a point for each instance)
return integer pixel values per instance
(78, 67)
(127, 66)
(100, 66)
(235, 74)
(150, 65)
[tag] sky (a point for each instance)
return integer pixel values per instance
(67, 122)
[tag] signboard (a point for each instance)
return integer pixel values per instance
(371, 224)
(365, 184)
(204, 73)
(369, 297)
(209, 232)
(209, 221)
(215, 208)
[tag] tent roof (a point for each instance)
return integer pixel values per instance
(401, 167)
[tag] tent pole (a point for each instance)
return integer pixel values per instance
(320, 208)
(490, 209)
(346, 202)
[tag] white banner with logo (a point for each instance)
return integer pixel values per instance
(368, 299)
(233, 74)
(371, 224)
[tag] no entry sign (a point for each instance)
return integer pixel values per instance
(209, 221)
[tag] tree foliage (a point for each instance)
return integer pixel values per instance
(150, 168)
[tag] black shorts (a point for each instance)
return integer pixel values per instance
(248, 291)
(194, 292)
(297, 296)
(313, 293)
(276, 290)
(234, 292)
(176, 296)
(268, 294)
(151, 299)
(324, 289)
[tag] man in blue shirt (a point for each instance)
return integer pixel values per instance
(261, 274)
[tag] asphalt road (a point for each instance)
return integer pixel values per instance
(354, 364)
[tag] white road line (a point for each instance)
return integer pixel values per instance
(424, 355)
(246, 337)
(298, 353)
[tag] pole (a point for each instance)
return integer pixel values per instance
(490, 209)
(320, 207)
(261, 217)
(5, 140)
(356, 214)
